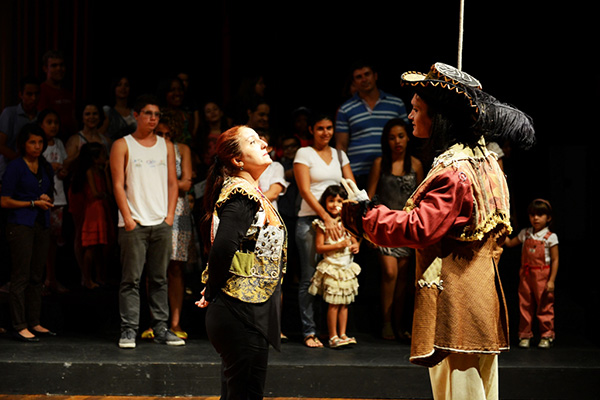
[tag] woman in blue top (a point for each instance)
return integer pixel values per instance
(27, 189)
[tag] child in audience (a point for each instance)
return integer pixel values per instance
(539, 265)
(55, 154)
(91, 176)
(336, 274)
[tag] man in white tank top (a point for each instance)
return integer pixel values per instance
(145, 187)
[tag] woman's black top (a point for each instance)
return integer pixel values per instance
(235, 217)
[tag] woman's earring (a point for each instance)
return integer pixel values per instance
(241, 167)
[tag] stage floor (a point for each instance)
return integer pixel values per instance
(75, 364)
(84, 359)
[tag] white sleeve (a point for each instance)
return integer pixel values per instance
(302, 156)
(552, 240)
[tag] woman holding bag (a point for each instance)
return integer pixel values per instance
(315, 168)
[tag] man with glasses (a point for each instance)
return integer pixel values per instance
(145, 189)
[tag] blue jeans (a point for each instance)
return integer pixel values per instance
(149, 247)
(305, 241)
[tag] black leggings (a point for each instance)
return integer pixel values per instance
(244, 353)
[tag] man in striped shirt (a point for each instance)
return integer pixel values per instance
(360, 121)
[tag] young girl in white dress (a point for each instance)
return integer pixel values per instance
(335, 278)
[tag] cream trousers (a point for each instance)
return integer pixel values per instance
(465, 376)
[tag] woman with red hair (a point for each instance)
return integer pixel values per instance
(246, 243)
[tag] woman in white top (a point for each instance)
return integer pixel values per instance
(315, 168)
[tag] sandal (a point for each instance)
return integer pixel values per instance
(336, 342)
(148, 334)
(348, 340)
(312, 341)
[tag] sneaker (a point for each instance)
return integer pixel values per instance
(545, 343)
(524, 343)
(166, 336)
(127, 340)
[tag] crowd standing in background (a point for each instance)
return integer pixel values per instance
(109, 200)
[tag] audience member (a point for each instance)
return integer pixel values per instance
(27, 190)
(315, 168)
(92, 184)
(213, 120)
(272, 181)
(55, 94)
(119, 120)
(300, 120)
(298, 128)
(183, 233)
(289, 204)
(537, 276)
(13, 118)
(335, 277)
(250, 87)
(92, 118)
(394, 177)
(360, 120)
(55, 154)
(145, 188)
(258, 115)
(171, 96)
(190, 103)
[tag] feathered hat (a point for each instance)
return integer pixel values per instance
(455, 91)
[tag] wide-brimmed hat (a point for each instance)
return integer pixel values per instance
(441, 80)
(457, 93)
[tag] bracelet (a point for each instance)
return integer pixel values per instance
(32, 203)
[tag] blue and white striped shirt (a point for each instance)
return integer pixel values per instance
(365, 125)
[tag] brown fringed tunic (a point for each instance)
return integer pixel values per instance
(456, 219)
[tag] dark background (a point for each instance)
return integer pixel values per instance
(533, 55)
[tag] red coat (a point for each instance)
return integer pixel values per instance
(455, 220)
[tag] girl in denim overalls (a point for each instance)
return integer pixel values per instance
(539, 265)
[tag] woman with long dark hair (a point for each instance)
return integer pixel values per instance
(27, 190)
(246, 242)
(393, 178)
(119, 120)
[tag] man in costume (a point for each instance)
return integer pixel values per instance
(457, 220)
